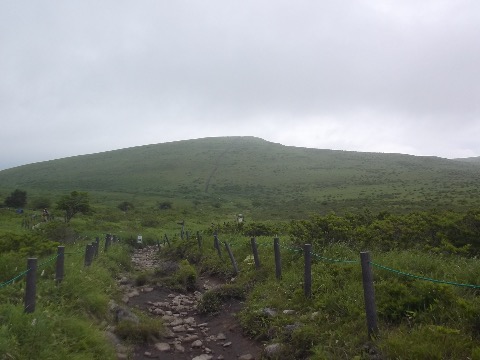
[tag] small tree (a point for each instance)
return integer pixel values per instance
(76, 202)
(125, 206)
(165, 205)
(18, 198)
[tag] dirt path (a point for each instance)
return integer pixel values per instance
(190, 335)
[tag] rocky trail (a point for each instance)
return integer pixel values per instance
(189, 335)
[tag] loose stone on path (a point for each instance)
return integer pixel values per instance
(183, 335)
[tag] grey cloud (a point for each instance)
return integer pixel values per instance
(127, 68)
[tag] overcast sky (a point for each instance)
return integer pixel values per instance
(80, 77)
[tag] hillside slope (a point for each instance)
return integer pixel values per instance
(260, 177)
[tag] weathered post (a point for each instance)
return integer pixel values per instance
(199, 241)
(187, 234)
(92, 252)
(278, 260)
(107, 242)
(31, 285)
(166, 239)
(369, 294)
(85, 258)
(232, 259)
(307, 252)
(216, 245)
(97, 245)
(182, 230)
(94, 249)
(59, 265)
(253, 242)
(88, 254)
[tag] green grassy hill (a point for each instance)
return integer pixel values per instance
(256, 177)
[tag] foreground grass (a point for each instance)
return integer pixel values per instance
(70, 318)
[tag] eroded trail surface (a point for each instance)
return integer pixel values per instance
(189, 335)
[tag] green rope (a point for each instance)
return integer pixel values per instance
(334, 260)
(315, 255)
(75, 252)
(424, 278)
(15, 278)
(291, 248)
(47, 261)
(263, 244)
(8, 282)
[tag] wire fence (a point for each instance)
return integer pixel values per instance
(39, 266)
(33, 265)
(297, 249)
(418, 277)
(365, 262)
(11, 281)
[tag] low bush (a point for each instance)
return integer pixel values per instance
(27, 244)
(145, 330)
(212, 300)
(185, 276)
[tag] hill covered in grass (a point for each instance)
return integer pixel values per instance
(258, 178)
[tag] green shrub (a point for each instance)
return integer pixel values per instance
(58, 231)
(27, 244)
(210, 303)
(146, 330)
(212, 300)
(165, 205)
(150, 221)
(186, 275)
(141, 279)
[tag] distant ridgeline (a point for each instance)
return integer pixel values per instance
(256, 177)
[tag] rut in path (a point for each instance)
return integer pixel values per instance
(189, 335)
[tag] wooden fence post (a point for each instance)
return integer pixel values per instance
(107, 242)
(166, 239)
(253, 242)
(59, 265)
(182, 231)
(199, 240)
(307, 251)
(369, 294)
(31, 285)
(232, 259)
(92, 252)
(216, 245)
(278, 260)
(97, 245)
(94, 249)
(88, 254)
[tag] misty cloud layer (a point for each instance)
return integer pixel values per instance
(81, 77)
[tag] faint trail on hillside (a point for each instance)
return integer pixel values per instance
(215, 168)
